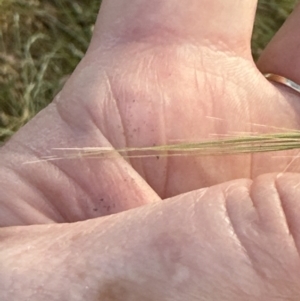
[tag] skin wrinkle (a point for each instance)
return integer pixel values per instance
(243, 249)
(232, 227)
(41, 196)
(205, 81)
(95, 122)
(72, 179)
(210, 53)
(15, 218)
(141, 169)
(200, 195)
(79, 203)
(20, 217)
(58, 107)
(198, 90)
(251, 130)
(207, 53)
(210, 88)
(111, 92)
(283, 212)
(269, 253)
(222, 48)
(166, 179)
(287, 221)
(239, 239)
(165, 103)
(277, 201)
(164, 134)
(37, 155)
(257, 270)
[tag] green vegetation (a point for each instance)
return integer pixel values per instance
(271, 14)
(42, 41)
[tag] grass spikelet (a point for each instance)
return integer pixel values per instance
(275, 142)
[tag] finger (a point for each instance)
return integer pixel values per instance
(236, 241)
(227, 23)
(282, 54)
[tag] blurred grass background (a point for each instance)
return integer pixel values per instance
(41, 42)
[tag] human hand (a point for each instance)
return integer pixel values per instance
(235, 241)
(128, 91)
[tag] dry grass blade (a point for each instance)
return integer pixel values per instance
(234, 145)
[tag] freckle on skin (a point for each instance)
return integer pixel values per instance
(123, 290)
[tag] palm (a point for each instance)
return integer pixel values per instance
(154, 87)
(185, 92)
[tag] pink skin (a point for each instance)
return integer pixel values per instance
(157, 72)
